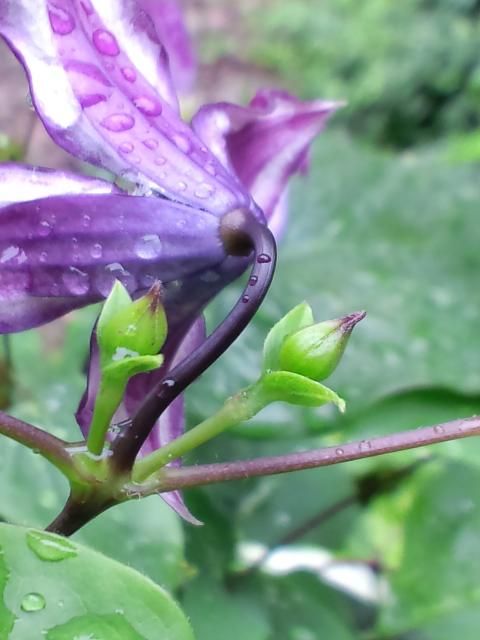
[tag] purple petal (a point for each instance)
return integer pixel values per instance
(100, 82)
(21, 183)
(167, 17)
(265, 143)
(64, 252)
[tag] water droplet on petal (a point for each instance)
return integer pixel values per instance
(151, 143)
(439, 429)
(126, 147)
(204, 190)
(339, 452)
(169, 382)
(61, 20)
(118, 122)
(43, 256)
(96, 251)
(50, 547)
(253, 280)
(45, 228)
(129, 74)
(33, 602)
(148, 247)
(90, 99)
(210, 168)
(86, 220)
(148, 106)
(160, 160)
(76, 281)
(182, 186)
(182, 142)
(245, 299)
(105, 42)
(264, 258)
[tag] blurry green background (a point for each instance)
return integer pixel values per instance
(387, 220)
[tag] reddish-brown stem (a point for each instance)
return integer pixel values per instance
(50, 447)
(181, 478)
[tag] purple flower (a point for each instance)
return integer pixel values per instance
(101, 82)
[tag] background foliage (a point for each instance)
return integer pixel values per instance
(374, 227)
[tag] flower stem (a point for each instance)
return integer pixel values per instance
(241, 233)
(170, 478)
(41, 442)
(236, 409)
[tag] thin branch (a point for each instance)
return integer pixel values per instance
(171, 478)
(50, 447)
(241, 233)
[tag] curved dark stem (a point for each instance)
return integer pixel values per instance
(241, 234)
(75, 514)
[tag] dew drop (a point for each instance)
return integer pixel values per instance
(204, 191)
(76, 281)
(148, 247)
(86, 220)
(245, 299)
(33, 602)
(210, 168)
(61, 20)
(151, 143)
(126, 147)
(252, 281)
(148, 106)
(182, 142)
(439, 429)
(91, 99)
(45, 228)
(365, 445)
(118, 122)
(339, 452)
(160, 160)
(96, 251)
(50, 547)
(129, 74)
(169, 382)
(105, 42)
(263, 258)
(43, 256)
(182, 186)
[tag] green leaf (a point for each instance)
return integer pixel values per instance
(437, 577)
(299, 317)
(285, 386)
(80, 593)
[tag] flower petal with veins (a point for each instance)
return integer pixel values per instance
(70, 249)
(100, 83)
(264, 144)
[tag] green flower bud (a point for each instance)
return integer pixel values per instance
(129, 329)
(315, 351)
(129, 336)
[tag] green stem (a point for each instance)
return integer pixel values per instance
(236, 409)
(108, 399)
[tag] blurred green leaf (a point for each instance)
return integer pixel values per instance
(437, 578)
(215, 612)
